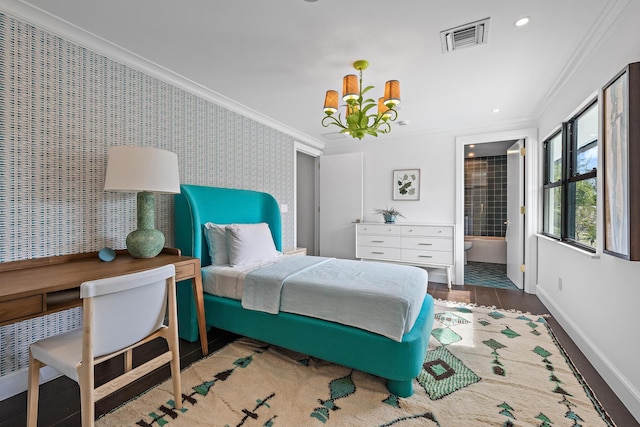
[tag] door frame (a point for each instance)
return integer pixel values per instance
(530, 136)
(315, 153)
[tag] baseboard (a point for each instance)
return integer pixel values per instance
(16, 382)
(626, 392)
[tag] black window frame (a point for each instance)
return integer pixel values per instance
(568, 177)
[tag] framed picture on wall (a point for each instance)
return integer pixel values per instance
(621, 163)
(406, 184)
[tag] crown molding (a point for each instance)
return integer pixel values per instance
(37, 17)
(600, 29)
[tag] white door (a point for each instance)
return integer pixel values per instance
(515, 220)
(341, 186)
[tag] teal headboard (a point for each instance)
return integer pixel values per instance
(197, 205)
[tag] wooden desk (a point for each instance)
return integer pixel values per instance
(40, 286)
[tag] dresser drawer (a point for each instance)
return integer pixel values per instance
(20, 307)
(379, 240)
(427, 230)
(371, 252)
(426, 257)
(377, 229)
(427, 243)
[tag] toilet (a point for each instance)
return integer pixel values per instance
(468, 244)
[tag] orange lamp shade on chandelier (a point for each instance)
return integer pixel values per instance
(358, 122)
(350, 87)
(331, 102)
(392, 92)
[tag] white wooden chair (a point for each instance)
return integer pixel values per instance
(119, 314)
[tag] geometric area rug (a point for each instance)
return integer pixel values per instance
(484, 367)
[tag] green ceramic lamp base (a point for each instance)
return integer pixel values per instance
(146, 241)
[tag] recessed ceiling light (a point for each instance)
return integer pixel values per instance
(522, 21)
(496, 110)
(471, 155)
(472, 145)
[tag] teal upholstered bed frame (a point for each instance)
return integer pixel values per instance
(398, 362)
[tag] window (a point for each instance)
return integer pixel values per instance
(570, 167)
(553, 185)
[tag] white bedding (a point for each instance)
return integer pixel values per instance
(378, 297)
(226, 281)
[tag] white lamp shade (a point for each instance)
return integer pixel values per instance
(134, 169)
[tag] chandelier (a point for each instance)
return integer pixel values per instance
(358, 121)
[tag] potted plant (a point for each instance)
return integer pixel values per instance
(389, 214)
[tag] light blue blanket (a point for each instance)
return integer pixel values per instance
(263, 287)
(378, 297)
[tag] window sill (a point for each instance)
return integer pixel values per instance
(592, 255)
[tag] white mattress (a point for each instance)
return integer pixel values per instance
(378, 297)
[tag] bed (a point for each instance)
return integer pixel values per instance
(398, 361)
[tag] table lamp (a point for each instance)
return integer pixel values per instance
(143, 170)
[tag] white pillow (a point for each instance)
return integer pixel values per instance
(250, 243)
(217, 241)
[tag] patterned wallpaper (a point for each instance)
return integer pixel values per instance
(61, 107)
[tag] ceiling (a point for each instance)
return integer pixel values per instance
(278, 57)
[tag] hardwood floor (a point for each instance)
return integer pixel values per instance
(60, 403)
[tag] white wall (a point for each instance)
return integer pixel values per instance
(598, 302)
(433, 155)
(598, 307)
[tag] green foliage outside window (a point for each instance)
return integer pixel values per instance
(585, 215)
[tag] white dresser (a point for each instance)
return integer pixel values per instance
(426, 245)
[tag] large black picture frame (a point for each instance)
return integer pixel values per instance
(621, 163)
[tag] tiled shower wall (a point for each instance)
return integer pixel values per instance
(61, 107)
(485, 196)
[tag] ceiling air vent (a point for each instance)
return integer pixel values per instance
(472, 34)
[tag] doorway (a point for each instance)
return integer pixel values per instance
(306, 198)
(493, 192)
(529, 203)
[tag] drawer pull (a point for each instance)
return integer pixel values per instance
(425, 244)
(425, 256)
(377, 241)
(377, 253)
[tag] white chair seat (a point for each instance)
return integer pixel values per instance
(63, 352)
